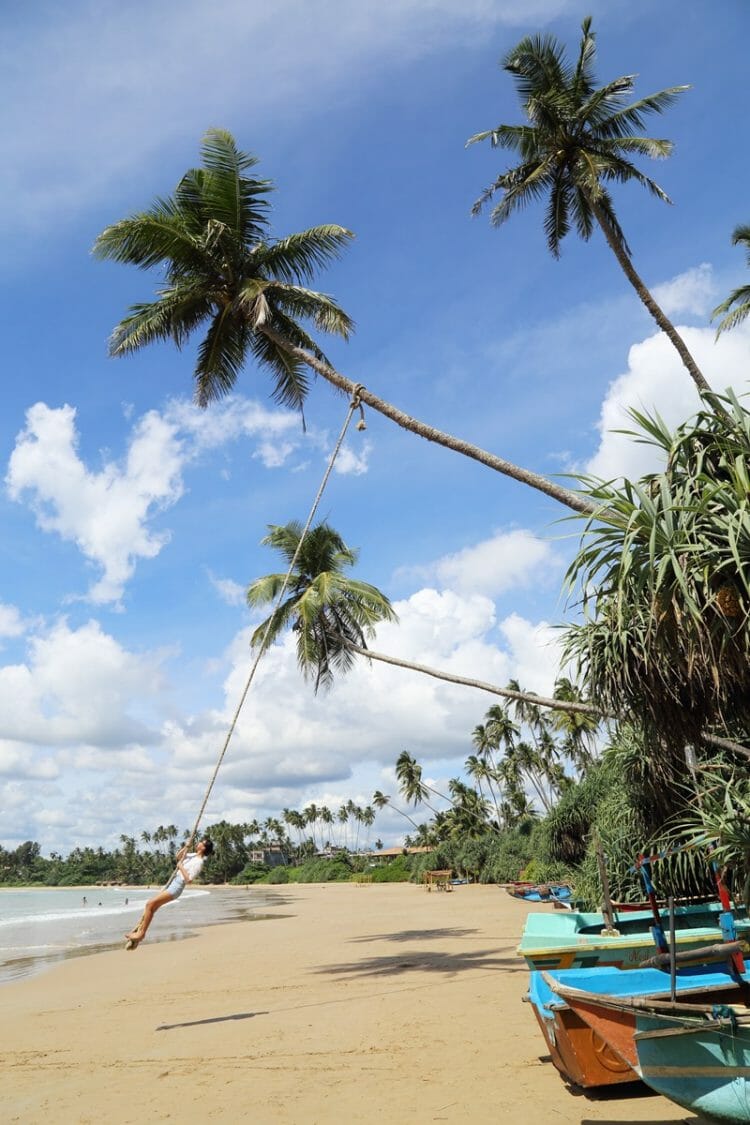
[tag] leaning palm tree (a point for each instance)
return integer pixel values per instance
(333, 614)
(381, 801)
(224, 271)
(413, 788)
(736, 308)
(326, 608)
(579, 139)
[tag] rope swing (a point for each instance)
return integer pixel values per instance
(354, 405)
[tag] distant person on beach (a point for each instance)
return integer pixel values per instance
(189, 865)
(84, 901)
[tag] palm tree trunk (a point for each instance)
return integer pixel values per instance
(525, 476)
(465, 681)
(661, 318)
(522, 696)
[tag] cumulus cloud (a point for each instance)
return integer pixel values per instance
(657, 382)
(82, 715)
(691, 292)
(11, 622)
(507, 560)
(80, 687)
(109, 512)
(103, 512)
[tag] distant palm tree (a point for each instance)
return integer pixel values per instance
(413, 788)
(222, 269)
(327, 609)
(382, 801)
(739, 298)
(578, 140)
(311, 817)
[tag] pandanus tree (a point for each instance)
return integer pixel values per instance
(736, 308)
(224, 273)
(664, 637)
(578, 140)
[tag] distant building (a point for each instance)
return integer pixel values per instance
(272, 856)
(387, 855)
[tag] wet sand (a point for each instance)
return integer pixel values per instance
(374, 1003)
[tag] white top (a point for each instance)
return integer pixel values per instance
(192, 864)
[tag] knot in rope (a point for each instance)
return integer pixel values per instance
(356, 404)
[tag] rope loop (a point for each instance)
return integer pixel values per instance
(356, 404)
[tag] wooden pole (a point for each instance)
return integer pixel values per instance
(672, 953)
(606, 897)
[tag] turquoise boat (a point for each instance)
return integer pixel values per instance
(575, 940)
(594, 1048)
(701, 1064)
(695, 1053)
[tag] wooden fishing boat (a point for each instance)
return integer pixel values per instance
(694, 1051)
(701, 1064)
(578, 1052)
(540, 892)
(609, 1001)
(577, 940)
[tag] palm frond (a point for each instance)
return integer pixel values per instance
(298, 257)
(221, 356)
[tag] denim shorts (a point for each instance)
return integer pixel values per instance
(176, 886)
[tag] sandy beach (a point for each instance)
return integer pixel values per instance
(377, 1003)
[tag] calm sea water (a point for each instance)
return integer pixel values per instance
(40, 927)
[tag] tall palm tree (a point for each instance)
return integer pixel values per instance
(222, 268)
(311, 818)
(578, 140)
(739, 298)
(325, 607)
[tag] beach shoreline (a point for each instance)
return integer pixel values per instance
(347, 1004)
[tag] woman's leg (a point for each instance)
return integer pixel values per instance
(139, 933)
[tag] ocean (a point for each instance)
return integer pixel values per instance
(41, 927)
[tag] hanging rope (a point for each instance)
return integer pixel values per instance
(354, 405)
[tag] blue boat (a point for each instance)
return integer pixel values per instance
(541, 892)
(590, 1041)
(695, 1049)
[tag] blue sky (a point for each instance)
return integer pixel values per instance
(132, 521)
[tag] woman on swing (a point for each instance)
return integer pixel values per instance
(189, 866)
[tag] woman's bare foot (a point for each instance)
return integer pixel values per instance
(134, 936)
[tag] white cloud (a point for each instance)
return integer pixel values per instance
(108, 513)
(18, 762)
(80, 687)
(66, 75)
(657, 382)
(691, 292)
(350, 463)
(508, 560)
(11, 622)
(104, 512)
(231, 592)
(82, 716)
